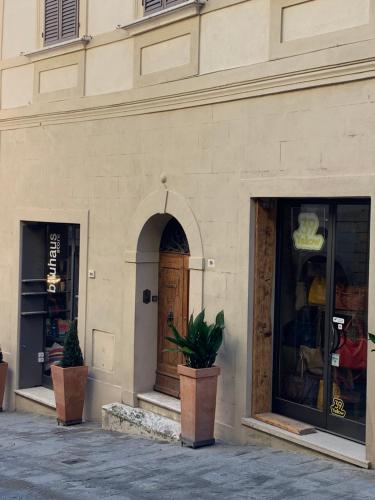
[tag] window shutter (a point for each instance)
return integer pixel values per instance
(151, 5)
(69, 19)
(60, 20)
(51, 21)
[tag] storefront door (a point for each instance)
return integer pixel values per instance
(321, 314)
(49, 297)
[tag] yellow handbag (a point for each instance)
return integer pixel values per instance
(317, 292)
(336, 394)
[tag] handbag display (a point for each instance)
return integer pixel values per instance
(303, 390)
(351, 298)
(311, 360)
(353, 348)
(317, 292)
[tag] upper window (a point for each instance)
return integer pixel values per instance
(60, 20)
(155, 5)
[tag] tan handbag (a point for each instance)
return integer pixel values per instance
(311, 360)
(317, 292)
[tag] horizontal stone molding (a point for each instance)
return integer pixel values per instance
(240, 83)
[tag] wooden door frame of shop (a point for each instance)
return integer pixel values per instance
(264, 269)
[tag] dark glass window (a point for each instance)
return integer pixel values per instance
(174, 238)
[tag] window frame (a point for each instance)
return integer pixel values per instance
(60, 38)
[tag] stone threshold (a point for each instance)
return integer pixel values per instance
(162, 400)
(41, 395)
(160, 404)
(322, 442)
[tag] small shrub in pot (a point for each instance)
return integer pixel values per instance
(69, 380)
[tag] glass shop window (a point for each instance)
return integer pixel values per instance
(49, 297)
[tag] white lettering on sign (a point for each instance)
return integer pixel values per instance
(54, 248)
(340, 321)
(305, 237)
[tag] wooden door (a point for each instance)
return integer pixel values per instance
(173, 305)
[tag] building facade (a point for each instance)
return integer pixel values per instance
(159, 157)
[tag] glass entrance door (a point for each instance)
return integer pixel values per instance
(321, 314)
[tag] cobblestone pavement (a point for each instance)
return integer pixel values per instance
(40, 460)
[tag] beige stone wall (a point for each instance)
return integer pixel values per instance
(308, 143)
(239, 122)
(106, 16)
(193, 39)
(302, 20)
(20, 27)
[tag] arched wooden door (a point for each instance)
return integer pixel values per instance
(173, 304)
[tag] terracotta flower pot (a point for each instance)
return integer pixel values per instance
(198, 389)
(3, 377)
(69, 387)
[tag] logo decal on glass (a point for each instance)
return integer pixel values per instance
(305, 237)
(337, 408)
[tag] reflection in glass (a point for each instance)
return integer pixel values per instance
(303, 303)
(348, 378)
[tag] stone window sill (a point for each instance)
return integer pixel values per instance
(59, 47)
(163, 17)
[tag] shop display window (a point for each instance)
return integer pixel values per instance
(321, 314)
(49, 297)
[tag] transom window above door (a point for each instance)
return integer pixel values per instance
(61, 20)
(151, 6)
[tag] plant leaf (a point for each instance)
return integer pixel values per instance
(220, 319)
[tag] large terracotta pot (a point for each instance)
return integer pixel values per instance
(69, 387)
(198, 404)
(3, 377)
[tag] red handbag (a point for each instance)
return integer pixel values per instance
(353, 353)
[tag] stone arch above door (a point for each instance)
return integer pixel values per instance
(163, 202)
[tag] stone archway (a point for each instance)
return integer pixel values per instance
(142, 266)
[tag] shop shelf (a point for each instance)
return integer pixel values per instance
(34, 313)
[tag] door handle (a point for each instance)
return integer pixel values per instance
(170, 318)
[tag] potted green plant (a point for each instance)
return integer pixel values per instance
(3, 377)
(69, 380)
(198, 378)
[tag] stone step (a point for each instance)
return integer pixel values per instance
(123, 418)
(163, 405)
(40, 400)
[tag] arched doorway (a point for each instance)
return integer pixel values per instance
(142, 257)
(173, 303)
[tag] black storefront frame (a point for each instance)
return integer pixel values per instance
(320, 419)
(33, 309)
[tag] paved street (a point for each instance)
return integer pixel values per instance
(40, 460)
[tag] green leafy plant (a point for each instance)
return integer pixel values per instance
(72, 351)
(202, 343)
(371, 337)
